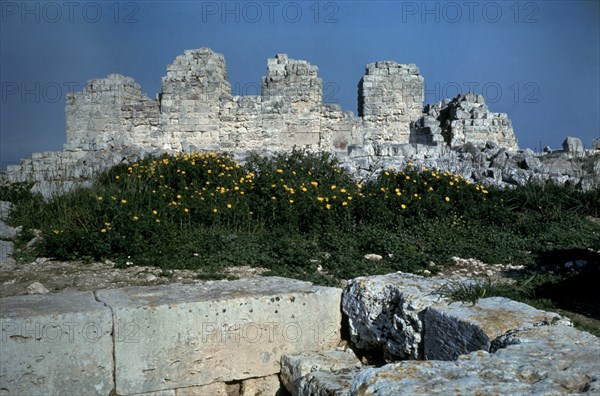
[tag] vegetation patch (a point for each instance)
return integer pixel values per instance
(301, 216)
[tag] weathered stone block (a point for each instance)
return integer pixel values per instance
(56, 344)
(263, 386)
(185, 335)
(295, 368)
(544, 360)
(457, 329)
(386, 312)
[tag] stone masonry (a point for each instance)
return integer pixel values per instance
(464, 119)
(112, 121)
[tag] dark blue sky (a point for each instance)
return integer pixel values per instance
(538, 61)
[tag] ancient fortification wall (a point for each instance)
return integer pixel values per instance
(111, 120)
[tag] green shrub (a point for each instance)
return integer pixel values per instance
(300, 215)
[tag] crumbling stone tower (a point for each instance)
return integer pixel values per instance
(390, 96)
(292, 97)
(109, 112)
(192, 91)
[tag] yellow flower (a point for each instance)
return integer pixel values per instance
(403, 206)
(123, 201)
(183, 172)
(209, 171)
(117, 177)
(328, 206)
(484, 191)
(382, 189)
(451, 183)
(430, 188)
(291, 201)
(314, 183)
(186, 210)
(154, 212)
(107, 224)
(407, 177)
(178, 196)
(103, 230)
(135, 218)
(304, 189)
(228, 206)
(344, 203)
(320, 199)
(447, 199)
(273, 198)
(387, 173)
(99, 198)
(215, 210)
(333, 187)
(157, 220)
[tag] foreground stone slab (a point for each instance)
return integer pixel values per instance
(310, 373)
(56, 344)
(544, 360)
(327, 383)
(177, 336)
(457, 329)
(386, 312)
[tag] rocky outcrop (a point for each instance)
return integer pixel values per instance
(490, 164)
(495, 346)
(258, 336)
(552, 360)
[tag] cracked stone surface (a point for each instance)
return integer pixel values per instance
(546, 360)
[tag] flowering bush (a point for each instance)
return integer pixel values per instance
(298, 214)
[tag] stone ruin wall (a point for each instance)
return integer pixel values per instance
(111, 120)
(196, 110)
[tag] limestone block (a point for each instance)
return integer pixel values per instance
(263, 386)
(386, 312)
(185, 335)
(547, 360)
(214, 389)
(336, 383)
(295, 368)
(56, 344)
(457, 329)
(170, 392)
